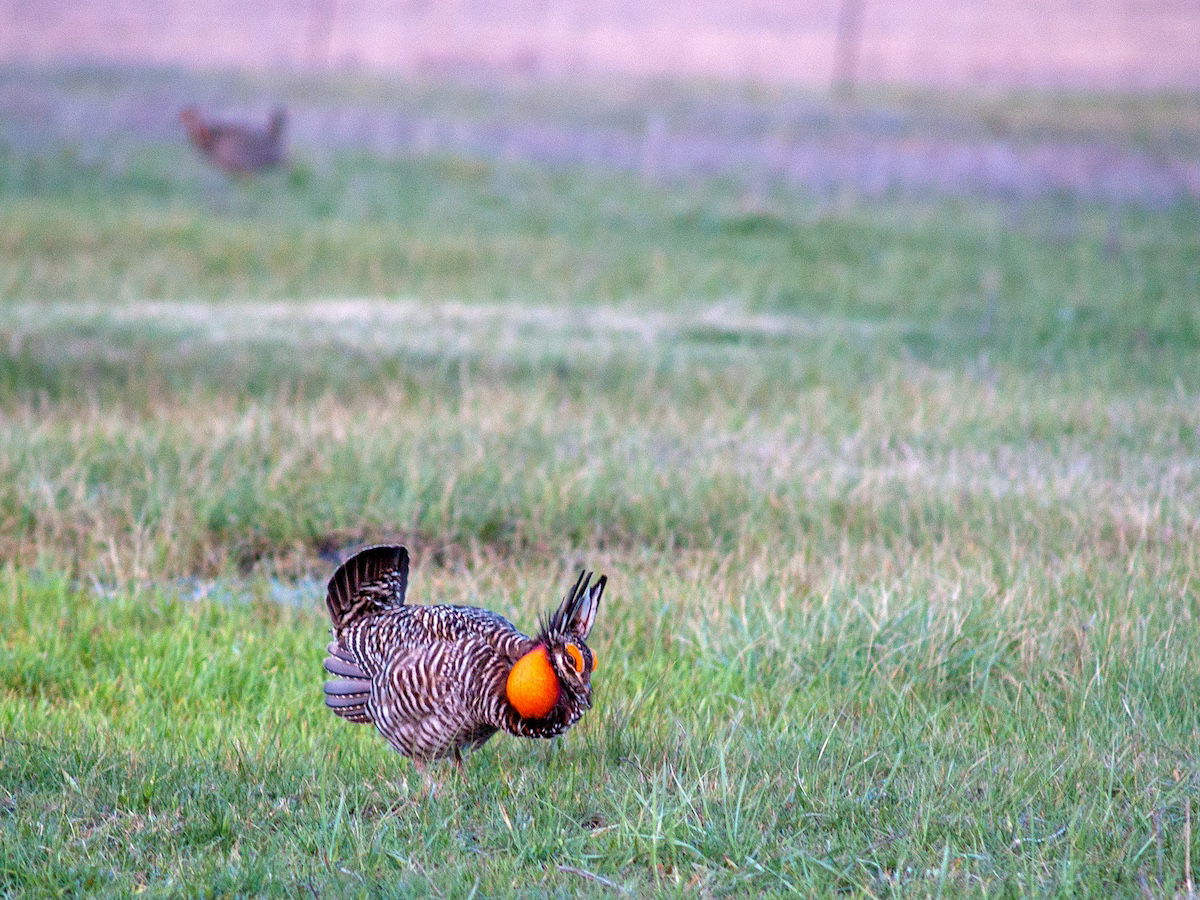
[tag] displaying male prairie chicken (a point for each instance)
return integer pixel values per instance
(234, 146)
(435, 680)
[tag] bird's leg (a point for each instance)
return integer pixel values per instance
(426, 776)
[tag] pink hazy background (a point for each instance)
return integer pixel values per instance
(1101, 44)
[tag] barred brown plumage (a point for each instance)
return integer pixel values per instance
(435, 680)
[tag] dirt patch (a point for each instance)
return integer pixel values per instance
(317, 557)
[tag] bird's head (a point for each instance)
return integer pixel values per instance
(199, 132)
(556, 675)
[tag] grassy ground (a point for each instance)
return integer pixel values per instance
(899, 504)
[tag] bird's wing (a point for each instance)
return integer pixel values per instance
(416, 700)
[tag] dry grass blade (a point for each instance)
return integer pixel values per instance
(592, 876)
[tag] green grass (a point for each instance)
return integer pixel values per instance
(900, 504)
(748, 735)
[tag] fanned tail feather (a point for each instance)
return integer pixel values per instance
(369, 582)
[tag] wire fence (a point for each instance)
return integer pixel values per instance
(1073, 44)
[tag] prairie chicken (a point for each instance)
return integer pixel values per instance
(236, 147)
(435, 680)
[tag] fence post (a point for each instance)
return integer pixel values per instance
(846, 47)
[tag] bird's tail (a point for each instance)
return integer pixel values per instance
(276, 125)
(369, 582)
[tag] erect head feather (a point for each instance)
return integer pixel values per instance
(576, 614)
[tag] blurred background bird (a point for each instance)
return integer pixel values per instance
(237, 147)
(437, 680)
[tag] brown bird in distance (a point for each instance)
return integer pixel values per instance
(236, 147)
(438, 680)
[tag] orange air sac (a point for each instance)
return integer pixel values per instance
(532, 686)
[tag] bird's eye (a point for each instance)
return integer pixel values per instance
(576, 657)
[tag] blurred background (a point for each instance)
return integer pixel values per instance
(1092, 91)
(1127, 44)
(1006, 189)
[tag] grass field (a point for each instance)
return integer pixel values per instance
(899, 500)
